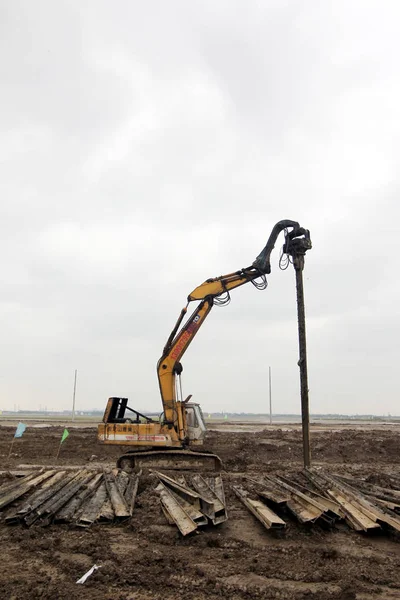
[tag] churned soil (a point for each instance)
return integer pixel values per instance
(147, 559)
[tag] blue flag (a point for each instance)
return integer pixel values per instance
(20, 430)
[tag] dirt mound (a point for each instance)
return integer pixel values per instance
(267, 450)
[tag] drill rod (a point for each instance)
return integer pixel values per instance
(298, 263)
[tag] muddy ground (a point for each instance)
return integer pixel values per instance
(146, 559)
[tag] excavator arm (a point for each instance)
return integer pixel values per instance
(214, 291)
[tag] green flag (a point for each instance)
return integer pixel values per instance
(64, 435)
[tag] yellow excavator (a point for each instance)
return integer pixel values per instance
(166, 443)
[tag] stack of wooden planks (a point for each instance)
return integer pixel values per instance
(192, 502)
(81, 497)
(314, 496)
(362, 511)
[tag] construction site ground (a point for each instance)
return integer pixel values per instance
(147, 559)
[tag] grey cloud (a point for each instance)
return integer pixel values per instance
(148, 146)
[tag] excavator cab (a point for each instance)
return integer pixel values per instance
(196, 426)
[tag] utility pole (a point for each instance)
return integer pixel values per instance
(73, 397)
(297, 247)
(270, 396)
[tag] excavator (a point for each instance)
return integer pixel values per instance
(168, 442)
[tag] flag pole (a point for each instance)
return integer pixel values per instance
(59, 448)
(18, 433)
(11, 447)
(64, 436)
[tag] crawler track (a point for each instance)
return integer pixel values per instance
(185, 460)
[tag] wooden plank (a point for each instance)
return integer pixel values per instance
(181, 480)
(329, 505)
(395, 480)
(389, 505)
(185, 492)
(353, 513)
(49, 487)
(313, 502)
(265, 515)
(23, 488)
(367, 507)
(122, 481)
(320, 484)
(91, 509)
(118, 502)
(196, 516)
(200, 485)
(175, 511)
(372, 490)
(357, 519)
(166, 514)
(303, 511)
(217, 486)
(266, 489)
(32, 512)
(131, 491)
(15, 474)
(211, 505)
(66, 514)
(304, 508)
(271, 496)
(50, 508)
(13, 484)
(106, 512)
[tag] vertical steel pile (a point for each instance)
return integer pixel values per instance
(296, 247)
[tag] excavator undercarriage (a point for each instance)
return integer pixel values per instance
(172, 459)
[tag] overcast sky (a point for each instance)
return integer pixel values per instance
(148, 146)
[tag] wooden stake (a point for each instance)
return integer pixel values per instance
(58, 453)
